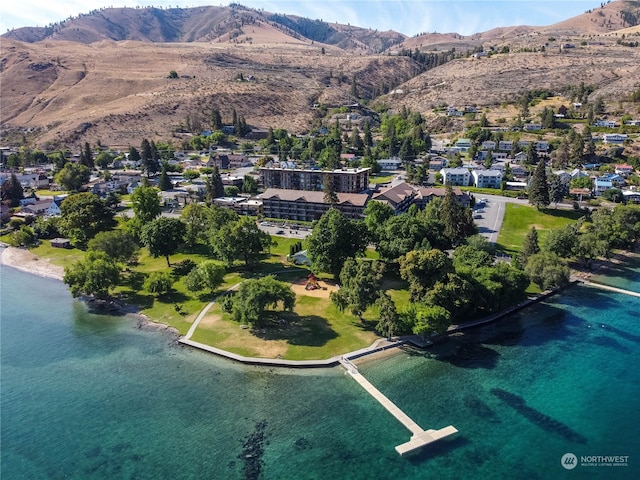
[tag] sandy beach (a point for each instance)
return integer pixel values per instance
(23, 259)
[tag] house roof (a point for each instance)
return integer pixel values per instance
(455, 171)
(357, 199)
(395, 195)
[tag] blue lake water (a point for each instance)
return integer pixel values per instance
(94, 397)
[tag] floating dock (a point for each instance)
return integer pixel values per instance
(419, 437)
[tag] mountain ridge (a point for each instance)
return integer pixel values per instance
(65, 89)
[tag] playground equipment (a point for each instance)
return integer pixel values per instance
(312, 282)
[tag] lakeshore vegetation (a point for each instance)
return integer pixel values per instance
(431, 269)
(417, 272)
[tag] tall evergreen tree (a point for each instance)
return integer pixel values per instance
(539, 189)
(164, 182)
(86, 156)
(216, 119)
(557, 189)
(368, 138)
(457, 219)
(530, 245)
(134, 155)
(214, 185)
(330, 195)
(13, 191)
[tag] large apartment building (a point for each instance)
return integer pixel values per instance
(307, 206)
(351, 180)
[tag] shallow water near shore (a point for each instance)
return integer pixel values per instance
(93, 397)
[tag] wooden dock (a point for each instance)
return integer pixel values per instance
(419, 437)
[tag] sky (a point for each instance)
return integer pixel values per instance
(411, 17)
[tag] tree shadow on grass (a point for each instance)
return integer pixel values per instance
(173, 297)
(307, 330)
(133, 280)
(137, 298)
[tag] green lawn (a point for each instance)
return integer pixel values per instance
(518, 219)
(381, 178)
(316, 329)
(58, 256)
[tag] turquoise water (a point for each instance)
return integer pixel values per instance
(94, 397)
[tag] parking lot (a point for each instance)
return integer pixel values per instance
(285, 229)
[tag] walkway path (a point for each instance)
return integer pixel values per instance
(612, 289)
(204, 311)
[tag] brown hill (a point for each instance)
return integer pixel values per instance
(76, 83)
(614, 71)
(118, 92)
(234, 24)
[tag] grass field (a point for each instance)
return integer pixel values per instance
(383, 178)
(316, 329)
(518, 219)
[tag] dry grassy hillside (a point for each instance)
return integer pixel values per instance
(118, 92)
(613, 69)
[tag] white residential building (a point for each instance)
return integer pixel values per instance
(487, 178)
(456, 176)
(614, 138)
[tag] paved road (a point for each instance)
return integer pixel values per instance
(493, 214)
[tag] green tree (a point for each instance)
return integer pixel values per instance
(547, 270)
(359, 285)
(231, 191)
(538, 189)
(86, 156)
(557, 190)
(82, 216)
(23, 237)
(12, 190)
(134, 155)
(428, 319)
(376, 215)
(561, 241)
(334, 239)
(389, 322)
(163, 236)
(145, 202)
(422, 269)
(401, 234)
(255, 296)
(530, 246)
(216, 119)
(164, 182)
(249, 185)
(214, 186)
(173, 74)
(457, 219)
(104, 159)
(455, 293)
(118, 245)
(149, 157)
(73, 176)
(196, 220)
(159, 283)
(208, 274)
(239, 240)
(330, 195)
(94, 275)
(471, 257)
